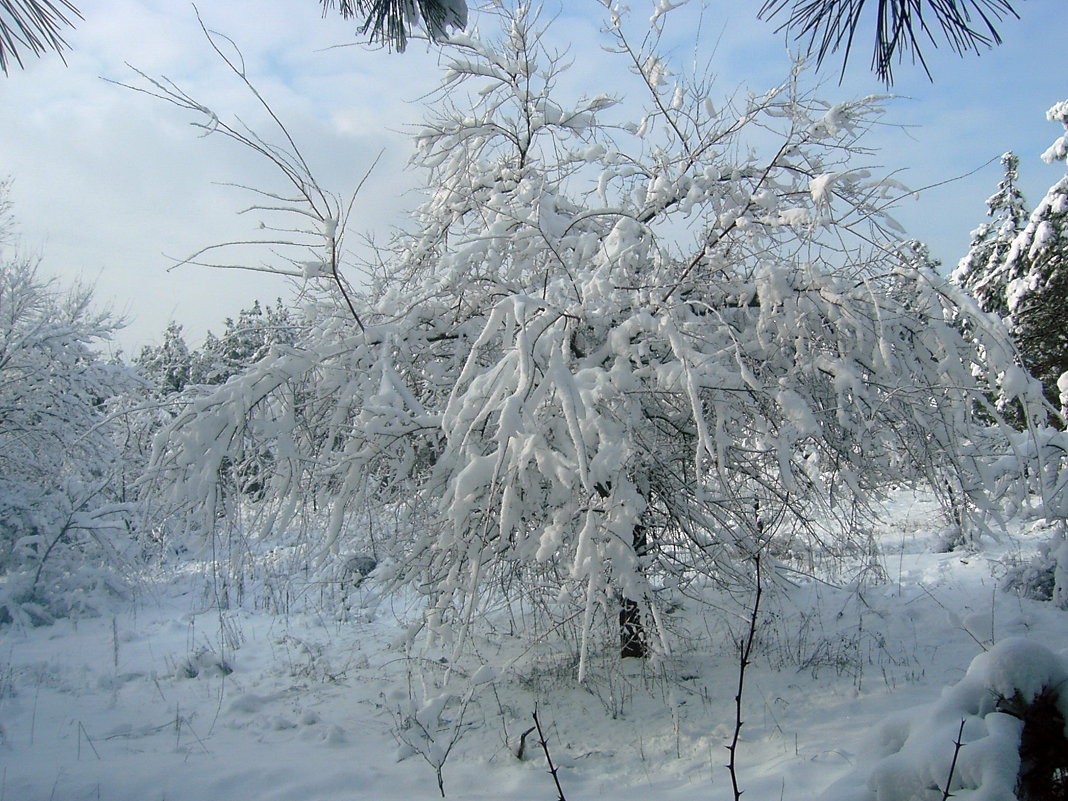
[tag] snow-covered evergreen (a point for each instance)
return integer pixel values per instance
(243, 341)
(167, 365)
(1037, 271)
(983, 270)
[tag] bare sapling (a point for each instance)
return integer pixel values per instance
(303, 220)
(745, 647)
(946, 794)
(430, 731)
(553, 769)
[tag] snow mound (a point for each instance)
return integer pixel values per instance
(912, 754)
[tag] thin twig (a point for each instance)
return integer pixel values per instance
(545, 747)
(744, 649)
(946, 794)
(88, 739)
(523, 743)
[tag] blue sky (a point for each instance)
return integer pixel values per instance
(108, 184)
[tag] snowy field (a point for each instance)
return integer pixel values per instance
(169, 699)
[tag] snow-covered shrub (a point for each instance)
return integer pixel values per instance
(1036, 577)
(1034, 474)
(431, 720)
(626, 347)
(63, 522)
(1013, 702)
(1044, 577)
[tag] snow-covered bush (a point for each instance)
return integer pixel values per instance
(63, 522)
(431, 721)
(626, 347)
(1009, 710)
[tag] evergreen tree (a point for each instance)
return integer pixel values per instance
(204, 362)
(982, 270)
(167, 366)
(244, 341)
(1036, 269)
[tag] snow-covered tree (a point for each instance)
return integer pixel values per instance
(62, 524)
(983, 270)
(167, 365)
(171, 366)
(1037, 271)
(624, 350)
(243, 342)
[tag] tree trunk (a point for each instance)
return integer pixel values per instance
(632, 642)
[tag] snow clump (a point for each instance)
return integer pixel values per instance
(1058, 151)
(909, 757)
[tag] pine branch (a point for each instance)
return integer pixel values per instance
(900, 27)
(34, 25)
(390, 22)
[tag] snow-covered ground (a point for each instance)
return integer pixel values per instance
(169, 699)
